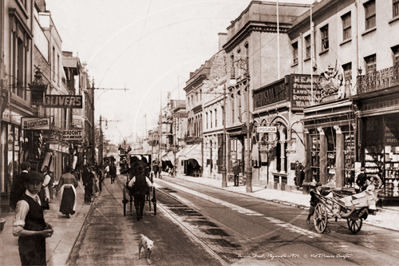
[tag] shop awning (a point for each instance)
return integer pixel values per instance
(192, 152)
(169, 157)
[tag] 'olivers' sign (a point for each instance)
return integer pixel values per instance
(33, 123)
(62, 101)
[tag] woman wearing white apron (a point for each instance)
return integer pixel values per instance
(67, 186)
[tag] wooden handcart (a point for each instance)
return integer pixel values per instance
(354, 209)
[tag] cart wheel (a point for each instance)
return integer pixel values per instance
(131, 203)
(124, 201)
(355, 225)
(320, 218)
(149, 202)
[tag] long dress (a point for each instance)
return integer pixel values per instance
(67, 186)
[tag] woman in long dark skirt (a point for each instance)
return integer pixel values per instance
(67, 186)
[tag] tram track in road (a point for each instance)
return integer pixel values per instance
(205, 231)
(208, 232)
(174, 218)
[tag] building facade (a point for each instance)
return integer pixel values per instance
(350, 121)
(256, 43)
(214, 94)
(16, 73)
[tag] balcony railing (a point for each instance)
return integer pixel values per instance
(378, 80)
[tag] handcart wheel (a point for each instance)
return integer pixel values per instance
(154, 201)
(149, 201)
(131, 202)
(355, 225)
(124, 201)
(320, 218)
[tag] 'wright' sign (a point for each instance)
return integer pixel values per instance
(72, 135)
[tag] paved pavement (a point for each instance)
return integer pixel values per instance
(66, 231)
(386, 217)
(59, 246)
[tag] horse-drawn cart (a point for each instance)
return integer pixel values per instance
(128, 197)
(354, 209)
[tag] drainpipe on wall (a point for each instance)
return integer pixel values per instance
(311, 55)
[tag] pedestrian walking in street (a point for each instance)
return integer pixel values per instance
(44, 193)
(67, 186)
(106, 171)
(112, 172)
(100, 176)
(18, 185)
(155, 169)
(298, 174)
(96, 180)
(87, 178)
(140, 185)
(236, 172)
(29, 223)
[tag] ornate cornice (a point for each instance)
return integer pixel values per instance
(254, 26)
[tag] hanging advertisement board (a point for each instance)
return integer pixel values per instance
(62, 101)
(34, 123)
(72, 135)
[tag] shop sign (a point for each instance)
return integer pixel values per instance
(378, 80)
(302, 90)
(391, 133)
(380, 104)
(72, 135)
(261, 129)
(180, 115)
(15, 118)
(34, 123)
(7, 115)
(62, 101)
(53, 146)
(271, 94)
(77, 118)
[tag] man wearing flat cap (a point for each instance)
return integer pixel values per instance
(140, 185)
(29, 223)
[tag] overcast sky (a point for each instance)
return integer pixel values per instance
(148, 47)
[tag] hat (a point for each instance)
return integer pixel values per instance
(318, 184)
(140, 168)
(25, 165)
(34, 176)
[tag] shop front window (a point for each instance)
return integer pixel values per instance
(331, 152)
(374, 149)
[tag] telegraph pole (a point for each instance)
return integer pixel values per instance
(101, 151)
(224, 170)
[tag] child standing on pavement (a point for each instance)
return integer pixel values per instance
(29, 223)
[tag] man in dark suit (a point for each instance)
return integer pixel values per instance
(18, 185)
(236, 171)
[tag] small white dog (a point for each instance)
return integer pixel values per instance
(147, 244)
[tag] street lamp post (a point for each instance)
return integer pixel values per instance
(249, 164)
(243, 64)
